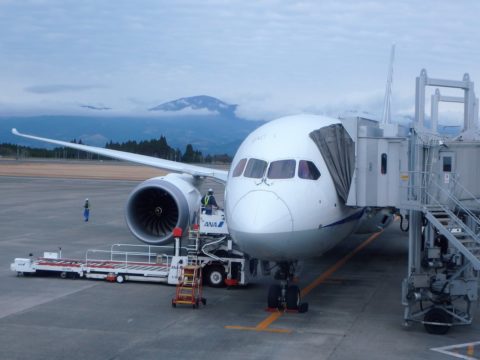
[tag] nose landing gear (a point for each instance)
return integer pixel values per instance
(285, 296)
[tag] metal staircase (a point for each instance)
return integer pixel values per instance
(445, 259)
(457, 233)
(446, 220)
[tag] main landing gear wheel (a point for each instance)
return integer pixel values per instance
(440, 316)
(274, 296)
(284, 296)
(292, 297)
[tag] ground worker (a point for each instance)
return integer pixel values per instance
(86, 209)
(208, 202)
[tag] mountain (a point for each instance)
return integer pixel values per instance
(216, 131)
(201, 102)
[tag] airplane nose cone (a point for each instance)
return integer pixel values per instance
(261, 212)
(256, 219)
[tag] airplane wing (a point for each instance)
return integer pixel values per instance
(194, 170)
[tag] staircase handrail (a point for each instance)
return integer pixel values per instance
(458, 221)
(419, 193)
(464, 189)
(457, 202)
(460, 246)
(215, 257)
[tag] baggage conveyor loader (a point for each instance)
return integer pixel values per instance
(208, 242)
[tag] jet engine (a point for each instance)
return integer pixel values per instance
(158, 205)
(374, 219)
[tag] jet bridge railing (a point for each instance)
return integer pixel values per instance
(415, 186)
(462, 193)
(424, 188)
(458, 208)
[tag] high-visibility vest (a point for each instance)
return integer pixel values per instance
(206, 200)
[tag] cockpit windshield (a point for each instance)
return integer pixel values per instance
(239, 168)
(282, 169)
(307, 170)
(255, 169)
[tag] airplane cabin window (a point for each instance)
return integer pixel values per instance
(308, 170)
(239, 168)
(255, 168)
(283, 169)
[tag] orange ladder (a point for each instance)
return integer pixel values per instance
(189, 288)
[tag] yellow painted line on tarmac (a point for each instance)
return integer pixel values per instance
(269, 320)
(461, 351)
(470, 350)
(337, 265)
(265, 324)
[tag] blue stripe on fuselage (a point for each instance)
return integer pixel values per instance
(352, 217)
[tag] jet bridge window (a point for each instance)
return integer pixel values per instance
(239, 168)
(308, 170)
(447, 164)
(283, 169)
(383, 164)
(255, 168)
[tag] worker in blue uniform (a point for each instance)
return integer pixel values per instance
(86, 210)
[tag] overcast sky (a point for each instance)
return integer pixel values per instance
(270, 57)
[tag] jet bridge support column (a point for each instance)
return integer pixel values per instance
(470, 114)
(414, 241)
(415, 161)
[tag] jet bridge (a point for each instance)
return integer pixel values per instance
(433, 180)
(441, 193)
(381, 159)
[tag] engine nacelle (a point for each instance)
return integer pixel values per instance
(374, 219)
(158, 205)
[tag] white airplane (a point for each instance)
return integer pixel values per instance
(281, 203)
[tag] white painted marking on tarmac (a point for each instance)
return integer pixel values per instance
(460, 351)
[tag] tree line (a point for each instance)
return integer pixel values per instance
(156, 148)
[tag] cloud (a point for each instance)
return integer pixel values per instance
(304, 54)
(95, 107)
(184, 112)
(269, 107)
(60, 88)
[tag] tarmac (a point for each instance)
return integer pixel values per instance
(354, 296)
